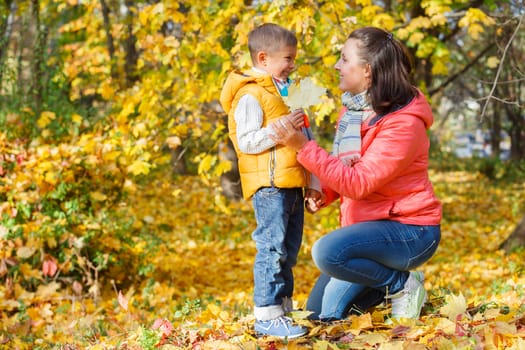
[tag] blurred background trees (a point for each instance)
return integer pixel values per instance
(97, 95)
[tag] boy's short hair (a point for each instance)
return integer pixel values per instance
(269, 37)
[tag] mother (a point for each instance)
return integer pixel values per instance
(390, 217)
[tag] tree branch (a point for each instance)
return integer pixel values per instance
(466, 68)
(500, 67)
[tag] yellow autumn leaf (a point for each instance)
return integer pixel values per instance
(454, 305)
(364, 2)
(335, 329)
(300, 314)
(76, 118)
(206, 163)
(439, 67)
(139, 167)
(384, 20)
(330, 60)
(324, 345)
(98, 196)
(420, 22)
(492, 62)
(435, 7)
(51, 177)
(45, 118)
(369, 12)
(106, 90)
(25, 252)
(223, 167)
(475, 30)
(363, 321)
(374, 338)
(47, 291)
(474, 20)
(304, 94)
(173, 142)
(438, 20)
(415, 38)
(393, 345)
(402, 33)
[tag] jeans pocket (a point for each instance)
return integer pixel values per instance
(422, 257)
(268, 191)
(432, 235)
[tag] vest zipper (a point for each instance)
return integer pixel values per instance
(271, 166)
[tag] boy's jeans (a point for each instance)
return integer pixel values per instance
(367, 257)
(280, 217)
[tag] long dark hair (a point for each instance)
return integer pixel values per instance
(391, 66)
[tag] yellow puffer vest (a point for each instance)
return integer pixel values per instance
(277, 166)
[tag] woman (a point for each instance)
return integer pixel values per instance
(390, 217)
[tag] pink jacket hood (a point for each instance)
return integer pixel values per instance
(390, 181)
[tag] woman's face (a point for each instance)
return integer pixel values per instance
(354, 75)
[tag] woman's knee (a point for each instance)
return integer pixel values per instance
(323, 255)
(318, 253)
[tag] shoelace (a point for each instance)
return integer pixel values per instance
(286, 321)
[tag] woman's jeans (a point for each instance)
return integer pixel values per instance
(363, 262)
(280, 218)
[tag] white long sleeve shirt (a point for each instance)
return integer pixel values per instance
(252, 138)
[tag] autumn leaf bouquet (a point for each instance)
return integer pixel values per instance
(303, 94)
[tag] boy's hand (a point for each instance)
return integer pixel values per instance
(313, 200)
(286, 130)
(295, 118)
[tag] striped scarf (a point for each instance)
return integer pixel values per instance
(347, 140)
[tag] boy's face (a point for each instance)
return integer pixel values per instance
(279, 63)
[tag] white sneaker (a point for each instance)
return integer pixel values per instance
(408, 302)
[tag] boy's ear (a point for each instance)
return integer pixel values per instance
(261, 57)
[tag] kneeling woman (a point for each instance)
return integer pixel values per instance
(378, 168)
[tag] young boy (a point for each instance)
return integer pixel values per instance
(270, 173)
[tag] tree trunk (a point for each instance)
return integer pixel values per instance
(495, 131)
(230, 180)
(38, 58)
(178, 162)
(517, 134)
(132, 55)
(109, 37)
(516, 238)
(5, 34)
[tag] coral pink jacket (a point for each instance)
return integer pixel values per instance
(390, 181)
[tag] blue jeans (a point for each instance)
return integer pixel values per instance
(365, 261)
(279, 213)
(332, 299)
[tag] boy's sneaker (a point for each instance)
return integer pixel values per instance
(281, 327)
(408, 302)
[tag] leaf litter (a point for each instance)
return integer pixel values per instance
(200, 295)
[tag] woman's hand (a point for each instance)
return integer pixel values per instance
(286, 134)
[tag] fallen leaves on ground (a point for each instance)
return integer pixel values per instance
(200, 296)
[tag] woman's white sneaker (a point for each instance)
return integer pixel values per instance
(408, 302)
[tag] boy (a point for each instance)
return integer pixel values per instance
(270, 173)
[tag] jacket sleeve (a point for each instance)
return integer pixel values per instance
(330, 196)
(396, 144)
